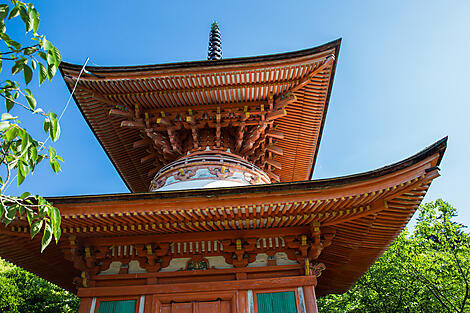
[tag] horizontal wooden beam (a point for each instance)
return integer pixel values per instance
(276, 114)
(273, 176)
(275, 149)
(149, 157)
(120, 113)
(142, 143)
(216, 286)
(274, 163)
(133, 124)
(275, 134)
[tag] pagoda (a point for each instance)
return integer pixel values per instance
(222, 215)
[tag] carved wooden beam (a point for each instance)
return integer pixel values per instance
(275, 149)
(275, 134)
(285, 99)
(120, 113)
(142, 143)
(175, 144)
(148, 158)
(273, 176)
(274, 163)
(276, 114)
(134, 124)
(254, 135)
(162, 143)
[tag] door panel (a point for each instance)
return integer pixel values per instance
(198, 307)
(276, 302)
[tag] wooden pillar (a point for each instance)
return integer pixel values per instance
(85, 305)
(242, 301)
(310, 299)
(150, 305)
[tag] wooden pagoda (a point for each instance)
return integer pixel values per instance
(222, 214)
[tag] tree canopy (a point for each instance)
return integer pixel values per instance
(424, 270)
(21, 292)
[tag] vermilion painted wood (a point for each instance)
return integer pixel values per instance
(216, 286)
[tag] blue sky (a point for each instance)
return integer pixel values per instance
(402, 78)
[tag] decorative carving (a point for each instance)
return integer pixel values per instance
(221, 172)
(240, 252)
(183, 175)
(316, 269)
(197, 263)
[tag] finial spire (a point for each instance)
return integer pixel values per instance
(215, 49)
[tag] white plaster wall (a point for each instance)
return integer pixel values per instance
(134, 268)
(202, 183)
(280, 257)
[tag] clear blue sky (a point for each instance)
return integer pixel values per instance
(402, 79)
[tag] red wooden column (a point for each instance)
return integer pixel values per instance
(242, 301)
(310, 299)
(85, 305)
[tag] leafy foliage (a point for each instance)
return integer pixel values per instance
(21, 291)
(20, 153)
(425, 271)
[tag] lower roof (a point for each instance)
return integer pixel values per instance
(367, 212)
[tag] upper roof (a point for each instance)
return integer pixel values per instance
(190, 85)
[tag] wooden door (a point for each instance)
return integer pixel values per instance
(198, 307)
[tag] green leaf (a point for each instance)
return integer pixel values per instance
(10, 213)
(33, 154)
(2, 210)
(50, 58)
(18, 67)
(25, 195)
(35, 228)
(26, 19)
(25, 141)
(1, 65)
(52, 153)
(55, 222)
(57, 56)
(42, 55)
(4, 11)
(4, 125)
(47, 45)
(14, 12)
(36, 24)
(3, 28)
(34, 16)
(31, 101)
(8, 102)
(42, 73)
(47, 125)
(51, 70)
(30, 50)
(46, 237)
(28, 74)
(23, 168)
(21, 178)
(33, 64)
(8, 116)
(55, 166)
(55, 130)
(15, 44)
(11, 133)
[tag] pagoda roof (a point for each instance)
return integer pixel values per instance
(196, 85)
(367, 211)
